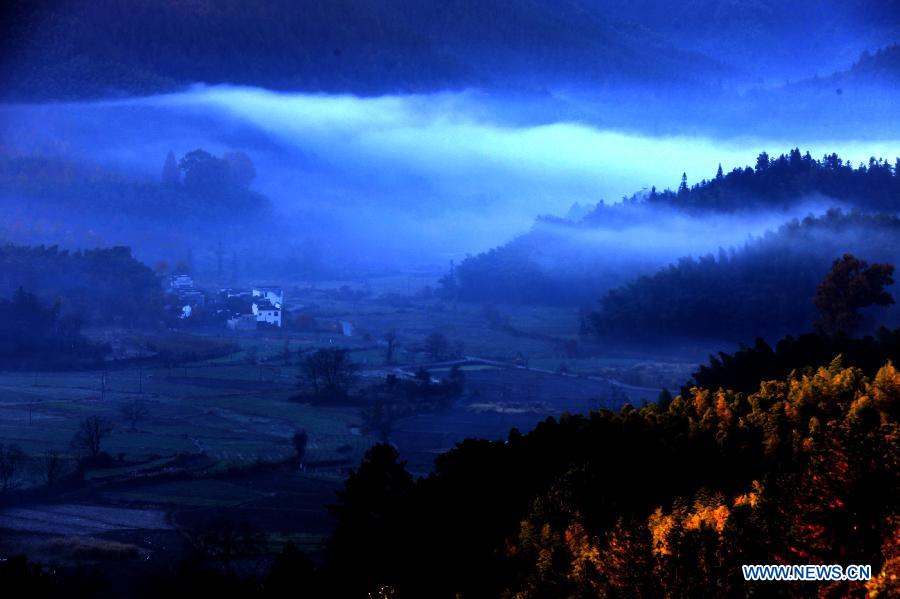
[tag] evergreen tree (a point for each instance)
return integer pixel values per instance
(171, 175)
(683, 187)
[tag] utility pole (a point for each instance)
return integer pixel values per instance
(103, 386)
(219, 255)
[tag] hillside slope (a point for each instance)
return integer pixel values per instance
(364, 46)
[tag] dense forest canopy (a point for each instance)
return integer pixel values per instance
(802, 469)
(98, 286)
(743, 369)
(764, 289)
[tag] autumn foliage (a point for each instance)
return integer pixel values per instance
(652, 502)
(827, 495)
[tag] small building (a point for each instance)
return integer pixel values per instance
(241, 322)
(267, 312)
(193, 298)
(179, 283)
(228, 293)
(274, 295)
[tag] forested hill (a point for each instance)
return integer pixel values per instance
(765, 289)
(567, 260)
(788, 178)
(802, 469)
(365, 46)
(882, 66)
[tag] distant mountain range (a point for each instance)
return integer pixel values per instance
(361, 46)
(769, 40)
(105, 47)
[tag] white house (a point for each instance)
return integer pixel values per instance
(275, 295)
(267, 312)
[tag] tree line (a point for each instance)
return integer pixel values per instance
(99, 286)
(765, 289)
(198, 185)
(780, 181)
(35, 336)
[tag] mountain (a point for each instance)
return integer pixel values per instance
(873, 69)
(856, 102)
(363, 46)
(769, 40)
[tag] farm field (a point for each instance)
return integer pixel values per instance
(215, 440)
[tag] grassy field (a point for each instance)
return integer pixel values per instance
(238, 408)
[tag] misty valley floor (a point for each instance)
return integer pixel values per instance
(216, 441)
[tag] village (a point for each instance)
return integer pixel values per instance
(239, 309)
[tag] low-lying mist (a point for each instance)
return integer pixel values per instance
(402, 180)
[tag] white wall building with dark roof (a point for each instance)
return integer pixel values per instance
(275, 295)
(265, 311)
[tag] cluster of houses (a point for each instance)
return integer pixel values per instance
(260, 305)
(241, 309)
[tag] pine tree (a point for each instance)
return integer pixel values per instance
(683, 188)
(171, 175)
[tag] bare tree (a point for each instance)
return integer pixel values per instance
(379, 418)
(329, 372)
(134, 412)
(90, 434)
(300, 439)
(12, 459)
(52, 466)
(225, 541)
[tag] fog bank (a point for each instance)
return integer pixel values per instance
(421, 178)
